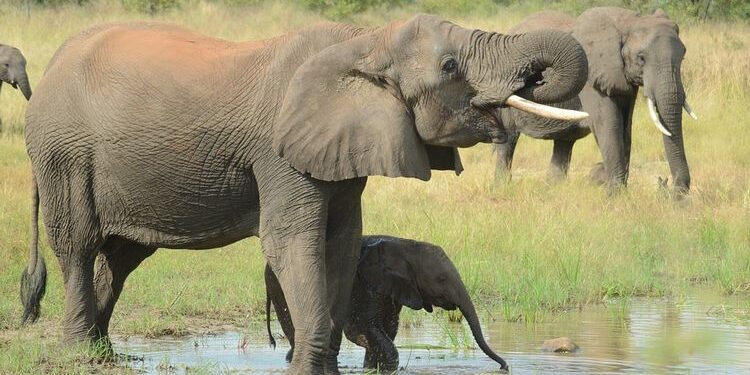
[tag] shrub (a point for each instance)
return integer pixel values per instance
(150, 6)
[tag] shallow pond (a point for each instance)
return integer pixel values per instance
(643, 336)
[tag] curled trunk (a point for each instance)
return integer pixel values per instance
(545, 66)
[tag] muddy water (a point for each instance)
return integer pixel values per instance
(642, 336)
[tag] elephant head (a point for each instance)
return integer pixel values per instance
(627, 50)
(420, 276)
(397, 100)
(13, 70)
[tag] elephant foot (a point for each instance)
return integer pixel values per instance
(555, 175)
(332, 366)
(598, 175)
(305, 369)
(503, 177)
(615, 188)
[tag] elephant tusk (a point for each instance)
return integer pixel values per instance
(545, 111)
(689, 110)
(655, 117)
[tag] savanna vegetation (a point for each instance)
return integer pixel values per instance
(525, 249)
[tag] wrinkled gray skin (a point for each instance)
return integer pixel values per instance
(392, 272)
(626, 51)
(145, 136)
(13, 70)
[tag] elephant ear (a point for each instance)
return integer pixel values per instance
(384, 269)
(602, 41)
(343, 117)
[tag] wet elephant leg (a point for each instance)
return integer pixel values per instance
(80, 304)
(115, 261)
(505, 152)
(343, 242)
(381, 353)
(561, 154)
(73, 233)
(292, 232)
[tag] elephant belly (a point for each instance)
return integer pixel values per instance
(164, 209)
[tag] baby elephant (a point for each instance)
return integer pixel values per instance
(13, 70)
(392, 272)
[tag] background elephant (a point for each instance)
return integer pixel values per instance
(145, 135)
(13, 70)
(392, 272)
(626, 50)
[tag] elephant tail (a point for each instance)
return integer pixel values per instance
(271, 340)
(34, 276)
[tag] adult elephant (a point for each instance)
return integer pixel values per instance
(147, 135)
(13, 70)
(626, 50)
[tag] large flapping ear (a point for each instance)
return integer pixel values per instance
(385, 270)
(343, 116)
(602, 41)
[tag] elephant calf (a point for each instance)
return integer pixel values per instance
(13, 70)
(391, 272)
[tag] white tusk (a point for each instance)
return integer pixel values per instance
(545, 110)
(689, 110)
(655, 117)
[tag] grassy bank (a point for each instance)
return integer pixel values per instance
(524, 249)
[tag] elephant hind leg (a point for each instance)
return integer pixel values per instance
(74, 235)
(115, 261)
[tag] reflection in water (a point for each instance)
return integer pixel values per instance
(639, 336)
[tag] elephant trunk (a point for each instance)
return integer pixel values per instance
(559, 64)
(544, 66)
(668, 96)
(470, 313)
(22, 81)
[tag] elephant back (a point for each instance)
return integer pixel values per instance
(549, 19)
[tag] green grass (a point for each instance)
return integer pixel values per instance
(526, 250)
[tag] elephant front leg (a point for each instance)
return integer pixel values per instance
(505, 152)
(293, 237)
(608, 126)
(343, 241)
(381, 353)
(562, 152)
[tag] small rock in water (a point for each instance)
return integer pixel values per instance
(560, 345)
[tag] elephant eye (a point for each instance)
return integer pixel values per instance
(641, 58)
(449, 65)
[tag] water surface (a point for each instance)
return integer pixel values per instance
(639, 336)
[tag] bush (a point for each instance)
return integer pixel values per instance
(453, 7)
(340, 9)
(150, 6)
